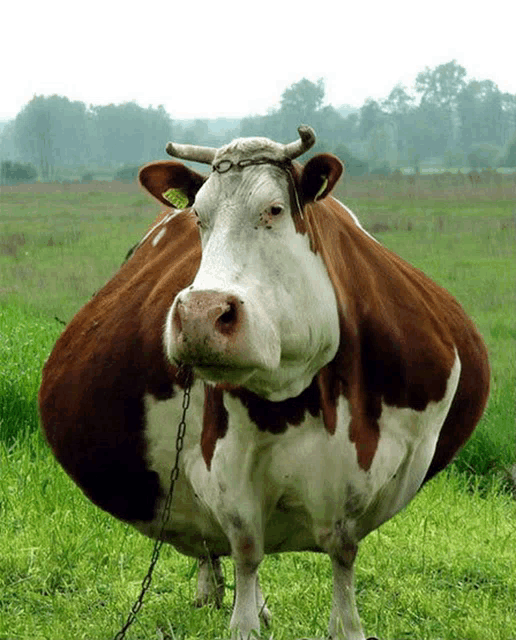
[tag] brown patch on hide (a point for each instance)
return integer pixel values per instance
(275, 417)
(329, 390)
(215, 421)
(110, 355)
(399, 331)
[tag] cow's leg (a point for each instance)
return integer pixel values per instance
(247, 552)
(245, 618)
(344, 618)
(210, 582)
(263, 610)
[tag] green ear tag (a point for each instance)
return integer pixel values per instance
(176, 197)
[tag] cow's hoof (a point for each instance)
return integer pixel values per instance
(213, 599)
(266, 616)
(210, 583)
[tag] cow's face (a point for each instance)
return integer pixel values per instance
(261, 312)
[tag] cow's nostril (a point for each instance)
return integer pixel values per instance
(227, 320)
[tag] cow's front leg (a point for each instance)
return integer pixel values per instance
(210, 582)
(247, 552)
(344, 619)
(263, 609)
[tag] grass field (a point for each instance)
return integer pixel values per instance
(444, 568)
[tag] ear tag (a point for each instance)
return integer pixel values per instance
(322, 188)
(176, 197)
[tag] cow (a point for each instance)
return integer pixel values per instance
(328, 378)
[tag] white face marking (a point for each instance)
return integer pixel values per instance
(252, 251)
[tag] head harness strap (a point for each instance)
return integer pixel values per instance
(223, 166)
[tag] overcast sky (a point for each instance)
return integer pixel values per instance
(232, 58)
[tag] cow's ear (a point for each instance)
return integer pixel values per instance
(171, 183)
(320, 174)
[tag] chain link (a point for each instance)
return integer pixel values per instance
(174, 474)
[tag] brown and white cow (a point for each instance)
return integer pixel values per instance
(331, 378)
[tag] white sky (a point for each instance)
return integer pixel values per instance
(203, 59)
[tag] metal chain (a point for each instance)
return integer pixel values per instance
(146, 583)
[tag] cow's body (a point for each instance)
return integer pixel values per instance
(330, 430)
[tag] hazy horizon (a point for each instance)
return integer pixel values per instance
(207, 61)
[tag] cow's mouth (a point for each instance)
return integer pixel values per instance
(220, 372)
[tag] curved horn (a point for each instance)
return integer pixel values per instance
(306, 141)
(191, 152)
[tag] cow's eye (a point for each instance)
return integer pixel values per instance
(276, 209)
(197, 219)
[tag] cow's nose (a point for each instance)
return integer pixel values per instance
(204, 313)
(226, 337)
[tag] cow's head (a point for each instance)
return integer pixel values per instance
(261, 312)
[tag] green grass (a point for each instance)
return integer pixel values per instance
(60, 243)
(443, 568)
(25, 341)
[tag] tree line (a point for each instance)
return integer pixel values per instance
(444, 116)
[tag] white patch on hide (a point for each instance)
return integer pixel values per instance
(158, 237)
(354, 218)
(163, 221)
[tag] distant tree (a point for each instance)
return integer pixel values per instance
(398, 103)
(346, 110)
(379, 133)
(453, 159)
(253, 126)
(439, 91)
(16, 172)
(128, 173)
(129, 134)
(371, 116)
(401, 108)
(349, 129)
(301, 103)
(353, 166)
(51, 131)
(303, 98)
(197, 133)
(382, 145)
(509, 115)
(8, 149)
(432, 131)
(481, 114)
(381, 170)
(329, 125)
(35, 133)
(440, 87)
(414, 159)
(508, 159)
(483, 156)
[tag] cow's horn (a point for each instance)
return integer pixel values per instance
(191, 152)
(306, 141)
